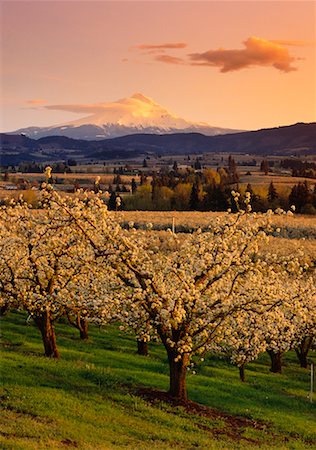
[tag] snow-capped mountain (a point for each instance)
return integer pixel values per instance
(134, 115)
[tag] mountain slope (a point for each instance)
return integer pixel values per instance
(284, 141)
(287, 140)
(133, 115)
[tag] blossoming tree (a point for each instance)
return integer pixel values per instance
(305, 331)
(250, 333)
(188, 292)
(47, 259)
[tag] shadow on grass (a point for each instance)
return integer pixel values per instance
(108, 368)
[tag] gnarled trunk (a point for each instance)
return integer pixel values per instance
(80, 323)
(45, 325)
(178, 371)
(302, 350)
(276, 361)
(83, 328)
(242, 372)
(142, 347)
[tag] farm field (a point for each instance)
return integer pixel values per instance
(87, 175)
(299, 227)
(136, 191)
(202, 219)
(97, 396)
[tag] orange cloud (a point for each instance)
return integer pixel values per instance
(169, 59)
(166, 46)
(93, 108)
(293, 43)
(36, 101)
(257, 52)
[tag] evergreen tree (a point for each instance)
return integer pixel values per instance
(300, 196)
(175, 167)
(216, 198)
(154, 190)
(272, 193)
(221, 198)
(264, 166)
(250, 190)
(197, 164)
(134, 186)
(143, 178)
(194, 197)
(232, 170)
(112, 202)
(117, 179)
(208, 203)
(96, 187)
(256, 202)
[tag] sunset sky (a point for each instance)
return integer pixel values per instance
(244, 65)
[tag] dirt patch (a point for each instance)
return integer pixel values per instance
(70, 443)
(234, 426)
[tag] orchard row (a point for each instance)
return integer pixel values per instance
(196, 293)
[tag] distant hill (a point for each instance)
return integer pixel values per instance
(285, 141)
(298, 138)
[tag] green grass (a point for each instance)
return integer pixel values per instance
(88, 399)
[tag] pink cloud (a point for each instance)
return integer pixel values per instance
(36, 101)
(88, 108)
(166, 46)
(291, 43)
(257, 52)
(169, 59)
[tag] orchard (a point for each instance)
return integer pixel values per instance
(210, 292)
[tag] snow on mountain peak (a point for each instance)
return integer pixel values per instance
(132, 115)
(137, 110)
(143, 98)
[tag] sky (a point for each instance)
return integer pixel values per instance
(233, 64)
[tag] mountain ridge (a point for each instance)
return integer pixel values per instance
(288, 140)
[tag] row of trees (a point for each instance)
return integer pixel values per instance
(184, 190)
(300, 168)
(303, 198)
(197, 293)
(210, 190)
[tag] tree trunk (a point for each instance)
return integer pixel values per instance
(178, 371)
(45, 324)
(3, 309)
(302, 351)
(276, 361)
(142, 347)
(80, 323)
(242, 372)
(302, 357)
(83, 328)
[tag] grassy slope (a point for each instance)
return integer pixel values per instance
(88, 399)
